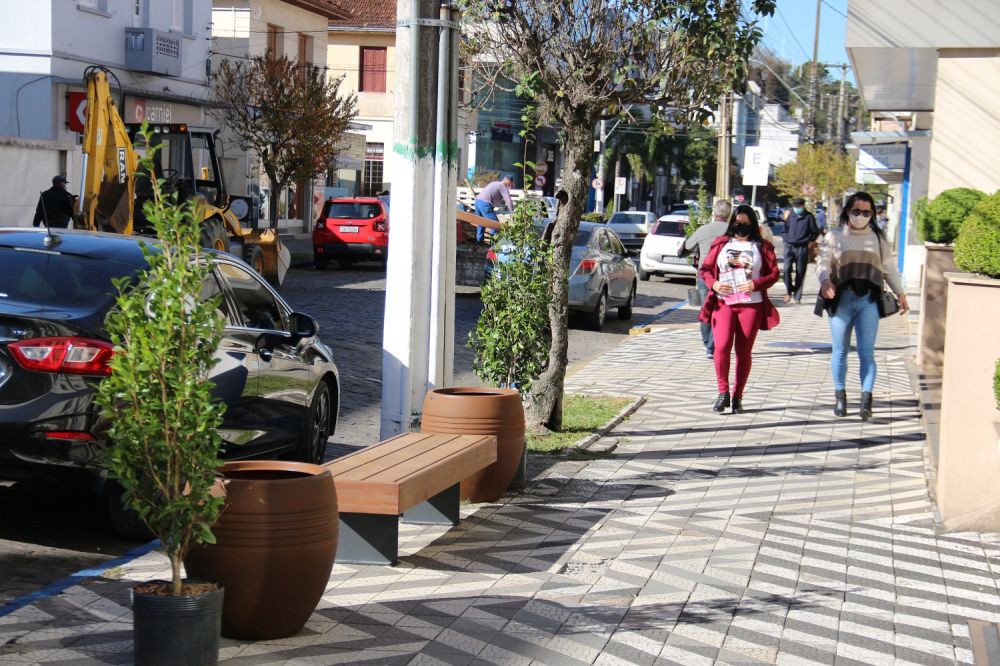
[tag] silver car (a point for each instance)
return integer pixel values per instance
(601, 275)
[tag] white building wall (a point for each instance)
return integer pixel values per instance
(778, 134)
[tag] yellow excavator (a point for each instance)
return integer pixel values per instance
(113, 195)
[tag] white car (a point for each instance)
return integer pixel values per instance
(660, 249)
(631, 227)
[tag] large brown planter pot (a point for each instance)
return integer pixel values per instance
(934, 306)
(480, 411)
(275, 545)
(968, 492)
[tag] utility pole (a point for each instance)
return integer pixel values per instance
(418, 329)
(829, 118)
(724, 151)
(841, 107)
(813, 84)
(599, 192)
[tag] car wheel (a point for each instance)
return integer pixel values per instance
(625, 311)
(320, 264)
(213, 235)
(255, 258)
(385, 261)
(312, 440)
(125, 522)
(643, 275)
(595, 319)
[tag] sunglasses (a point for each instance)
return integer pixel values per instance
(863, 213)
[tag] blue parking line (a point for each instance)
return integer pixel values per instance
(662, 313)
(75, 578)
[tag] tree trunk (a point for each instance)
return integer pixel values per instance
(277, 187)
(544, 402)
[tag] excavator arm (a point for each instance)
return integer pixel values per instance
(110, 162)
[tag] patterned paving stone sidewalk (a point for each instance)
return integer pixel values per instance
(782, 535)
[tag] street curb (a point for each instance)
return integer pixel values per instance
(650, 325)
(587, 443)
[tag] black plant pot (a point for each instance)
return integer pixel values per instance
(169, 630)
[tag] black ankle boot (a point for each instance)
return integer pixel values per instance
(866, 406)
(721, 402)
(840, 409)
(737, 405)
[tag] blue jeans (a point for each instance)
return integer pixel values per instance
(484, 209)
(706, 327)
(859, 313)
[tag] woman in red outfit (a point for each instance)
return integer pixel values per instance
(739, 268)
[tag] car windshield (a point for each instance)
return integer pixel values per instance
(670, 228)
(349, 210)
(582, 238)
(680, 209)
(51, 279)
(627, 218)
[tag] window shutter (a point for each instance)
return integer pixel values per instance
(379, 73)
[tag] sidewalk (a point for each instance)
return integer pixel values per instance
(783, 535)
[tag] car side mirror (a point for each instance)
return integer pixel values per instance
(302, 325)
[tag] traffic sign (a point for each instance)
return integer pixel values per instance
(539, 181)
(808, 190)
(597, 184)
(541, 168)
(756, 168)
(620, 185)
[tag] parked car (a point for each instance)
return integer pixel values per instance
(659, 255)
(631, 227)
(601, 275)
(351, 229)
(278, 381)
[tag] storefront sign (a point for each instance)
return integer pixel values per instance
(882, 157)
(138, 110)
(76, 111)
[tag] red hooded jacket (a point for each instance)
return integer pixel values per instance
(709, 272)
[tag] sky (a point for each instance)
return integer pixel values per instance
(789, 32)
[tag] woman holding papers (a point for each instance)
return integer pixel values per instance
(738, 270)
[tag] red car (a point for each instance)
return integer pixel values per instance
(349, 230)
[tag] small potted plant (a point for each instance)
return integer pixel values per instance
(939, 221)
(969, 463)
(162, 419)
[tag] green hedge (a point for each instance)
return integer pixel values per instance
(941, 220)
(977, 248)
(996, 383)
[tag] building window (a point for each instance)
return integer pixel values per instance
(93, 6)
(305, 49)
(273, 50)
(374, 160)
(372, 69)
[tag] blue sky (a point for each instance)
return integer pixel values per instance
(789, 32)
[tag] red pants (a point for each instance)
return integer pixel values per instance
(737, 324)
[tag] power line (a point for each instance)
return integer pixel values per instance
(834, 8)
(791, 32)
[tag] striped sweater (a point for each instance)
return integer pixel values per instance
(851, 256)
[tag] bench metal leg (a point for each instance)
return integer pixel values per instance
(441, 509)
(368, 539)
(521, 476)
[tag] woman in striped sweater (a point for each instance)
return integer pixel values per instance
(855, 261)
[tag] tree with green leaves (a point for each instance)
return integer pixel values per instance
(579, 62)
(158, 398)
(287, 112)
(821, 166)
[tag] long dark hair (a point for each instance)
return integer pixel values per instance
(849, 205)
(754, 224)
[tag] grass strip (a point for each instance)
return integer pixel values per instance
(582, 415)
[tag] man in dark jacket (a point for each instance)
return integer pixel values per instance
(55, 205)
(800, 230)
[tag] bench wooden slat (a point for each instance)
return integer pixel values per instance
(344, 465)
(385, 456)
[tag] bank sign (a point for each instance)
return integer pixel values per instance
(882, 157)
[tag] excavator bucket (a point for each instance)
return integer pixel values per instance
(273, 259)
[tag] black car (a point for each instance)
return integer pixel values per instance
(278, 380)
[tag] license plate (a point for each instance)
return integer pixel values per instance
(349, 230)
(673, 260)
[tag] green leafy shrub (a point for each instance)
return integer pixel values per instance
(593, 217)
(945, 213)
(511, 337)
(162, 417)
(996, 383)
(919, 211)
(977, 248)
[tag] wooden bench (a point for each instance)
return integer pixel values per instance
(414, 475)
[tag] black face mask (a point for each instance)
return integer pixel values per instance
(741, 230)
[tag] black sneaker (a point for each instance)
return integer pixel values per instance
(721, 403)
(737, 405)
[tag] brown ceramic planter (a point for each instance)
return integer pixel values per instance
(480, 411)
(275, 545)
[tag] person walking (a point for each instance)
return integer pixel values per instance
(55, 205)
(854, 262)
(738, 269)
(701, 242)
(491, 196)
(800, 230)
(821, 218)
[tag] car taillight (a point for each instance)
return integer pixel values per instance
(68, 435)
(71, 355)
(587, 266)
(321, 224)
(380, 225)
(491, 255)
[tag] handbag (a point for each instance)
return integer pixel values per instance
(887, 303)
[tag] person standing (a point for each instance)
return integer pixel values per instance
(821, 218)
(855, 261)
(55, 205)
(738, 269)
(491, 196)
(800, 230)
(701, 241)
